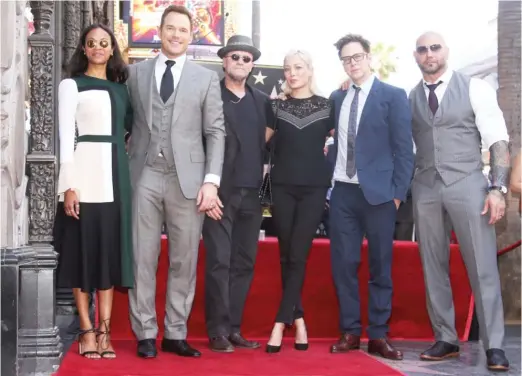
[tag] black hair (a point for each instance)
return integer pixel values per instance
(116, 67)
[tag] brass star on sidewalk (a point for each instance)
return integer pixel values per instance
(259, 78)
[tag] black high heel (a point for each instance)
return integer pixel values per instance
(80, 345)
(271, 349)
(301, 346)
(105, 353)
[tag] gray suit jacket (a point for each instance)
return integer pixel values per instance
(198, 128)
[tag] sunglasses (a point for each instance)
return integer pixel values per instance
(357, 58)
(424, 49)
(91, 43)
(236, 57)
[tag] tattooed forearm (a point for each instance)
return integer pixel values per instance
(499, 162)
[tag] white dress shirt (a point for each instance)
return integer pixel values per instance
(488, 115)
(177, 69)
(342, 129)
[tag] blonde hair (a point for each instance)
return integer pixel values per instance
(307, 59)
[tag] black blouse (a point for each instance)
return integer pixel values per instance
(302, 126)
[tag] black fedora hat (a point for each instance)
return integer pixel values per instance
(239, 43)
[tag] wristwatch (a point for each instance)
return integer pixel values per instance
(499, 188)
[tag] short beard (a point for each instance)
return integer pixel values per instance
(432, 70)
(235, 78)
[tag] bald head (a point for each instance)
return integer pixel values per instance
(431, 54)
(429, 38)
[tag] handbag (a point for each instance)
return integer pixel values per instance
(265, 192)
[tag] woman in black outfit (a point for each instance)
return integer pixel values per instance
(300, 179)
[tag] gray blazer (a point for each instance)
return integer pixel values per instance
(198, 127)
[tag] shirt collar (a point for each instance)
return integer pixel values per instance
(180, 61)
(445, 78)
(366, 85)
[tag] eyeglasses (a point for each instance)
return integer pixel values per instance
(357, 57)
(91, 43)
(424, 49)
(236, 57)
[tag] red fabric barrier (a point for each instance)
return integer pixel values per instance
(409, 316)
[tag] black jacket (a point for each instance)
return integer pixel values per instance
(233, 141)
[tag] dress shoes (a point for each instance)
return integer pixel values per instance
(346, 343)
(239, 341)
(497, 360)
(221, 344)
(383, 348)
(179, 347)
(440, 350)
(147, 348)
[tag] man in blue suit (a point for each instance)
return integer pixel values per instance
(373, 153)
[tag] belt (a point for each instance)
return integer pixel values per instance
(98, 138)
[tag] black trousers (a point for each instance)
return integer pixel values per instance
(297, 211)
(231, 249)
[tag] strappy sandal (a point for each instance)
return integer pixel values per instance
(87, 354)
(105, 354)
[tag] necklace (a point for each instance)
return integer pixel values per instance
(239, 100)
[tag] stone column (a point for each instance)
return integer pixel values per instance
(41, 348)
(14, 252)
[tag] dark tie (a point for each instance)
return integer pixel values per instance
(352, 132)
(432, 97)
(167, 82)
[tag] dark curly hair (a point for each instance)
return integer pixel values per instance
(352, 38)
(116, 68)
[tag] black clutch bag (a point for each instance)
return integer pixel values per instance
(265, 192)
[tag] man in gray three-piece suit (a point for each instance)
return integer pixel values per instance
(176, 152)
(453, 116)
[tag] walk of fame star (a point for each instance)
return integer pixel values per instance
(259, 78)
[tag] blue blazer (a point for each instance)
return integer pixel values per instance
(383, 145)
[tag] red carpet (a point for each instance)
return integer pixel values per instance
(317, 361)
(409, 316)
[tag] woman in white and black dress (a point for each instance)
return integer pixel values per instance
(92, 231)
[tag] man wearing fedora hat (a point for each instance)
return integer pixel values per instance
(231, 232)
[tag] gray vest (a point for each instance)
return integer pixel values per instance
(160, 139)
(448, 143)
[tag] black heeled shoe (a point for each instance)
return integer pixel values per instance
(301, 346)
(271, 349)
(93, 354)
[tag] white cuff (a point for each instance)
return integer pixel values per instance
(213, 179)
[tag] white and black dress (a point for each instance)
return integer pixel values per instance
(95, 252)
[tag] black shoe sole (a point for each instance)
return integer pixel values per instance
(147, 356)
(222, 350)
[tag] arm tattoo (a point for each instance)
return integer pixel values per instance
(499, 162)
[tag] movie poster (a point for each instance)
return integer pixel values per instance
(145, 17)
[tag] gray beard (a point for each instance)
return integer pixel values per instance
(236, 78)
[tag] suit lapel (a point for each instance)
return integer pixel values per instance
(187, 79)
(145, 81)
(371, 101)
